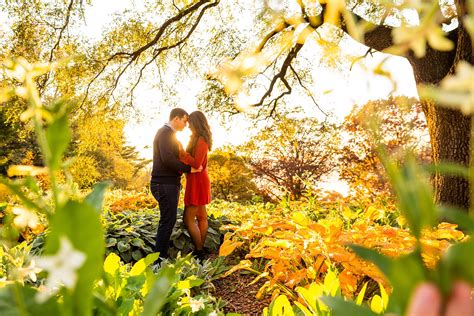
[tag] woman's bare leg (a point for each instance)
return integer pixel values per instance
(189, 219)
(202, 223)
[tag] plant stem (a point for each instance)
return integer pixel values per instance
(471, 171)
(19, 300)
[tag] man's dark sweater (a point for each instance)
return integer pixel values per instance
(167, 168)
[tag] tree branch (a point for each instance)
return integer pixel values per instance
(42, 85)
(307, 90)
(280, 76)
(204, 5)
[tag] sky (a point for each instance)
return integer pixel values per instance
(334, 91)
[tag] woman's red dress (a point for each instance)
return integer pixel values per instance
(198, 185)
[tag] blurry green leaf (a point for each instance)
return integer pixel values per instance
(414, 193)
(96, 197)
(340, 307)
(9, 305)
(135, 283)
(58, 136)
(404, 273)
(458, 263)
(126, 305)
(449, 169)
(157, 297)
(80, 223)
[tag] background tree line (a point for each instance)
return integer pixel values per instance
(47, 31)
(291, 156)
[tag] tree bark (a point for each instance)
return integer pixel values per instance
(449, 129)
(450, 135)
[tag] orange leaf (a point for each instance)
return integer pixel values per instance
(228, 247)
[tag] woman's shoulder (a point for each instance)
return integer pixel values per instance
(201, 139)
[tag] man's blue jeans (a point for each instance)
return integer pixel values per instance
(167, 196)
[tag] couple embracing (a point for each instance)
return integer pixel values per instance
(170, 161)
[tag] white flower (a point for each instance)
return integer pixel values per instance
(24, 218)
(196, 305)
(29, 271)
(61, 269)
(213, 314)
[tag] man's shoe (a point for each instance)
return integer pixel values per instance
(208, 251)
(199, 254)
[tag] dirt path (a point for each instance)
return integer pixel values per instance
(239, 295)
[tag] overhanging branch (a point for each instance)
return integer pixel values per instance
(280, 76)
(200, 6)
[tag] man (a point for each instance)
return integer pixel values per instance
(166, 176)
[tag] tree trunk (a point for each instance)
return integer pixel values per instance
(450, 135)
(449, 129)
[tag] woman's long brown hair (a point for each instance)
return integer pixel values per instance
(199, 126)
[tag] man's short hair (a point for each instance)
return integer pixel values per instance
(178, 112)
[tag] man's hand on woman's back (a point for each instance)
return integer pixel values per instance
(194, 170)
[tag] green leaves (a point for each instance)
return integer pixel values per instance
(457, 264)
(58, 136)
(341, 307)
(18, 300)
(80, 223)
(96, 197)
(414, 193)
(404, 273)
(157, 296)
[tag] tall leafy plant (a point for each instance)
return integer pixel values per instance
(74, 248)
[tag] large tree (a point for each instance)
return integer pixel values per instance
(231, 178)
(398, 128)
(449, 129)
(292, 155)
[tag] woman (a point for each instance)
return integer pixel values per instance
(198, 186)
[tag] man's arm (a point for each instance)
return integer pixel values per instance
(165, 146)
(199, 154)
